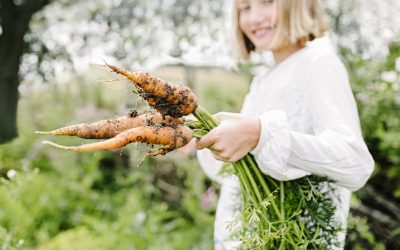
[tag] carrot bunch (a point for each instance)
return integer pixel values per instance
(164, 125)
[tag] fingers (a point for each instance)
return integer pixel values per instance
(223, 156)
(218, 157)
(210, 141)
(188, 148)
(218, 150)
(206, 141)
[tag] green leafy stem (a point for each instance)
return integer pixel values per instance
(277, 214)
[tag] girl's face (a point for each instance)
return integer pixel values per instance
(257, 20)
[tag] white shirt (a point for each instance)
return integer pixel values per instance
(309, 125)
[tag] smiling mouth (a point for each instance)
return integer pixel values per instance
(258, 33)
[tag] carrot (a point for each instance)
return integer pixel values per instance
(160, 93)
(171, 137)
(105, 129)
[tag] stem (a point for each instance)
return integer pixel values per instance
(198, 133)
(246, 181)
(250, 177)
(202, 115)
(252, 164)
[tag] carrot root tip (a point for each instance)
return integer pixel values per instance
(43, 132)
(98, 65)
(56, 145)
(111, 80)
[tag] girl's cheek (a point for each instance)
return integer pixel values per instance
(243, 24)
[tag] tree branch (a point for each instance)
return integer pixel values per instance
(380, 224)
(376, 215)
(383, 215)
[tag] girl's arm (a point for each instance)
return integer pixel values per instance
(336, 152)
(336, 148)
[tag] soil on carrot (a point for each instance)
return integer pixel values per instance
(161, 105)
(133, 113)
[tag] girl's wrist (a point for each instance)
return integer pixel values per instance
(253, 130)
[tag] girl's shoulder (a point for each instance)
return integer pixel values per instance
(319, 57)
(261, 72)
(320, 50)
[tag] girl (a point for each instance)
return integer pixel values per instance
(300, 116)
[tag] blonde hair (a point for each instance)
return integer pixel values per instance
(299, 21)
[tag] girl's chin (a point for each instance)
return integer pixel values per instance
(263, 46)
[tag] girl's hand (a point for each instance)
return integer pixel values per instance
(233, 138)
(188, 148)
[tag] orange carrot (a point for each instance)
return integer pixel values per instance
(171, 137)
(105, 129)
(160, 93)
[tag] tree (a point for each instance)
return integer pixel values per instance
(14, 24)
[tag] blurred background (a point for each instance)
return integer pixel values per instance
(49, 77)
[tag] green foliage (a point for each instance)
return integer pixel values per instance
(377, 88)
(360, 235)
(376, 84)
(53, 199)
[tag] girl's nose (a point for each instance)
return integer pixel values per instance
(258, 14)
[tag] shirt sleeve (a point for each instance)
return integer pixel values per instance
(210, 165)
(335, 149)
